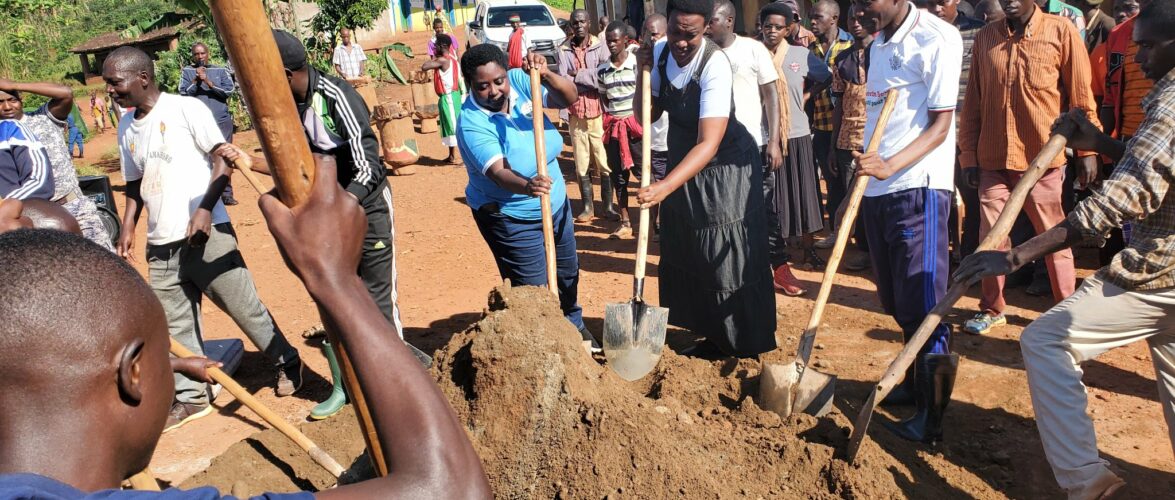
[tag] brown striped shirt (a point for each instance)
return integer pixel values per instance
(1020, 84)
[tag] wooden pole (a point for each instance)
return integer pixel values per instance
(245, 30)
(143, 481)
(319, 456)
(244, 27)
(995, 238)
(540, 157)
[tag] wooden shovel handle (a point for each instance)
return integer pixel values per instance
(143, 481)
(1054, 147)
(244, 28)
(808, 339)
(320, 457)
(642, 238)
(245, 165)
(540, 158)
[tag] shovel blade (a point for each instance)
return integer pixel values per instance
(634, 334)
(814, 392)
(792, 388)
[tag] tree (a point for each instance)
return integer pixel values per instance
(333, 15)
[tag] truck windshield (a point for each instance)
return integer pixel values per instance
(532, 15)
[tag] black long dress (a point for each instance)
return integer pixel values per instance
(715, 277)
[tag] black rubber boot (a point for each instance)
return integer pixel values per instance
(903, 394)
(934, 382)
(609, 212)
(585, 194)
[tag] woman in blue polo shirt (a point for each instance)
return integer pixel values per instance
(496, 137)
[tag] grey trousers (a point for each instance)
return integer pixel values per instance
(181, 275)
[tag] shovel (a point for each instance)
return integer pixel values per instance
(634, 331)
(540, 159)
(794, 387)
(999, 231)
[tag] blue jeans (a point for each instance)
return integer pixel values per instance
(77, 139)
(907, 233)
(517, 246)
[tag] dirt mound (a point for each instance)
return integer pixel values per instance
(548, 421)
(268, 461)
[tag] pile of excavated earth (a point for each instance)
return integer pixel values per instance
(549, 421)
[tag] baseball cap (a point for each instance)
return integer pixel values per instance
(293, 53)
(515, 18)
(792, 4)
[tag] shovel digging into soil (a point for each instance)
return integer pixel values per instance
(794, 386)
(634, 332)
(999, 232)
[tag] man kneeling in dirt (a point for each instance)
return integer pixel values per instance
(89, 383)
(1131, 299)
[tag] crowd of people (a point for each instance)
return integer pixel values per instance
(744, 128)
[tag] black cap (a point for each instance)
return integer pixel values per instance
(292, 52)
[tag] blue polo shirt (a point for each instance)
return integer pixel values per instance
(485, 136)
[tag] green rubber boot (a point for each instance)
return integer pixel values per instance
(338, 397)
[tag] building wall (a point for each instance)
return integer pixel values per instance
(397, 19)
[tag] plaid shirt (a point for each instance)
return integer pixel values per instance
(822, 114)
(1139, 192)
(349, 61)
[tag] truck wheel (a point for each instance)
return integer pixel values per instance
(111, 223)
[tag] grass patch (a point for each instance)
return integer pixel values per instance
(85, 170)
(563, 5)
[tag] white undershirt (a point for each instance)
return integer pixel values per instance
(716, 80)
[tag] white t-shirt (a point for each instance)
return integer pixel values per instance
(716, 80)
(168, 150)
(752, 66)
(922, 62)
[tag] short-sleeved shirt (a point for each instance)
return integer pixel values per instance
(751, 66)
(168, 150)
(21, 486)
(618, 85)
(716, 80)
(485, 136)
(800, 65)
(48, 130)
(349, 61)
(922, 62)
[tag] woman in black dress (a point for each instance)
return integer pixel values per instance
(715, 277)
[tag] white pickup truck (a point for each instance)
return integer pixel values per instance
(491, 24)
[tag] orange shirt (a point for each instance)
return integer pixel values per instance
(1020, 84)
(1097, 65)
(1126, 85)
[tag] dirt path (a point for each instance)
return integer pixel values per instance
(446, 272)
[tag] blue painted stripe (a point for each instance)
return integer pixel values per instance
(929, 243)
